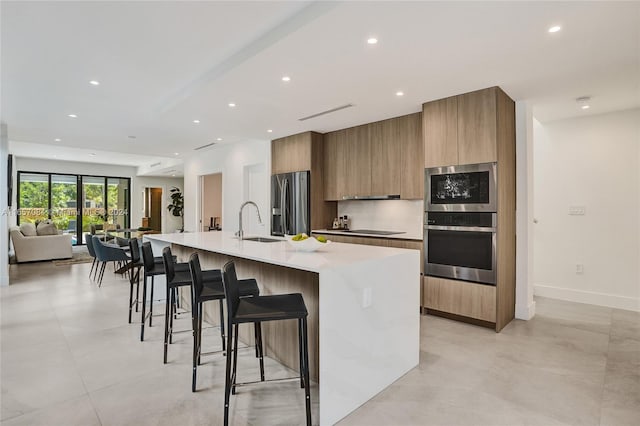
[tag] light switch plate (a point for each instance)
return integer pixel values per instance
(577, 210)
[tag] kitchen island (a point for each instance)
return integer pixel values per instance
(363, 303)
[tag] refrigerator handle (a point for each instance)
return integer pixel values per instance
(284, 202)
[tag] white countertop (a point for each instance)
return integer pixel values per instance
(400, 236)
(332, 256)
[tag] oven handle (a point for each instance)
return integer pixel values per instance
(461, 228)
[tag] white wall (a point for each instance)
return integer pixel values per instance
(230, 160)
(594, 162)
(4, 213)
(170, 223)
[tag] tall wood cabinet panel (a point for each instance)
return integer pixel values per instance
(408, 132)
(506, 236)
(440, 132)
(385, 157)
(477, 127)
(291, 153)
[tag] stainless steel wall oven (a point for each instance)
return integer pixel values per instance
(470, 188)
(460, 222)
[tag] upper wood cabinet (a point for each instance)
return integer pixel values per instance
(291, 153)
(440, 132)
(381, 158)
(357, 162)
(462, 129)
(334, 165)
(408, 133)
(477, 127)
(385, 157)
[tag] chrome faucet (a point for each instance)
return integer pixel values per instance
(240, 233)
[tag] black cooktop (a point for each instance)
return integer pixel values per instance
(374, 232)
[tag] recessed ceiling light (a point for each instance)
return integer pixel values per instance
(583, 102)
(173, 175)
(231, 104)
(372, 40)
(72, 116)
(286, 78)
(176, 153)
(218, 139)
(94, 83)
(555, 29)
(93, 154)
(269, 131)
(399, 93)
(57, 139)
(196, 121)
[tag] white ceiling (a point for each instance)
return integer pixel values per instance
(163, 64)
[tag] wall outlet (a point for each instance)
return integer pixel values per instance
(367, 297)
(577, 210)
(579, 268)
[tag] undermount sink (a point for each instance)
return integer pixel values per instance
(262, 240)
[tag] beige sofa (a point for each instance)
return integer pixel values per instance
(40, 247)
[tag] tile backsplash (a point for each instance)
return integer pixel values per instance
(384, 215)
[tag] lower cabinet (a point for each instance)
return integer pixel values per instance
(466, 299)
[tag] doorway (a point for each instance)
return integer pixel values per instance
(211, 202)
(152, 209)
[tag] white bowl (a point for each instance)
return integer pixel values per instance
(310, 244)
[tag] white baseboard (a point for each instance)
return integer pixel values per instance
(526, 312)
(590, 297)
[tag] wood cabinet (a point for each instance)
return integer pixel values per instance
(381, 158)
(466, 299)
(291, 153)
(357, 162)
(408, 133)
(462, 129)
(301, 152)
(385, 157)
(477, 127)
(440, 132)
(477, 122)
(334, 165)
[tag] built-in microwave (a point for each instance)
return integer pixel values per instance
(469, 188)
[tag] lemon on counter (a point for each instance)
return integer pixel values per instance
(321, 239)
(300, 237)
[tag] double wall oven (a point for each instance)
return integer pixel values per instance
(460, 222)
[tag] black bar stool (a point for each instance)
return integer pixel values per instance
(258, 309)
(205, 290)
(152, 266)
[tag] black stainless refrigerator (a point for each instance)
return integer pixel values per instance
(290, 203)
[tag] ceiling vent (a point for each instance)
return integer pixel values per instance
(204, 146)
(329, 111)
(155, 164)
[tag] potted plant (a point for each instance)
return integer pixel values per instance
(177, 205)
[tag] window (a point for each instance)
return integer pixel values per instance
(73, 202)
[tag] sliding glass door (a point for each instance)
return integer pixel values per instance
(73, 202)
(64, 204)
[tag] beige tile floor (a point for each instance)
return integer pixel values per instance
(68, 357)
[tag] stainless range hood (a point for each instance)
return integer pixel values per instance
(371, 197)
